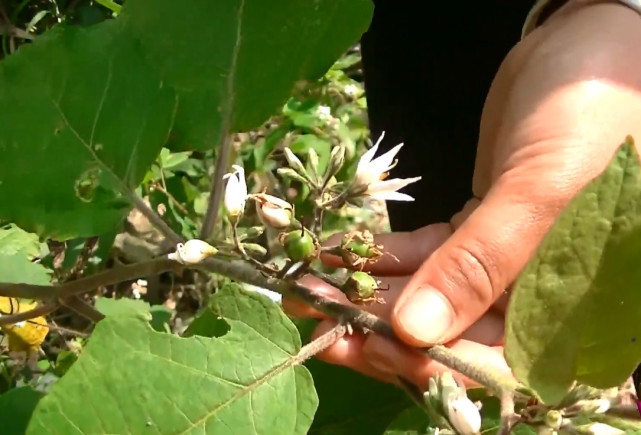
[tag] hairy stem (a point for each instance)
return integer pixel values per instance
(321, 343)
(241, 271)
(92, 282)
(359, 319)
(507, 413)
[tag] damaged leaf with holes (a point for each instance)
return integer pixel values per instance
(243, 382)
(102, 117)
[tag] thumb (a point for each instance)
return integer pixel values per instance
(460, 281)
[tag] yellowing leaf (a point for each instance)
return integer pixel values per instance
(24, 336)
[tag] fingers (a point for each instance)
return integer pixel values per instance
(471, 270)
(348, 352)
(390, 358)
(410, 248)
(393, 284)
(380, 358)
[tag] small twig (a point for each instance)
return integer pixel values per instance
(40, 310)
(79, 306)
(78, 268)
(327, 278)
(239, 247)
(321, 343)
(66, 331)
(171, 198)
(508, 418)
(155, 220)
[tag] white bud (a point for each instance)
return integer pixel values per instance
(272, 211)
(193, 251)
(464, 416)
(235, 192)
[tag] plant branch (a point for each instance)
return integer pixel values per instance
(40, 310)
(81, 307)
(360, 319)
(216, 192)
(321, 343)
(153, 217)
(84, 285)
(507, 413)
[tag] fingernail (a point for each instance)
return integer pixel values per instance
(426, 316)
(379, 354)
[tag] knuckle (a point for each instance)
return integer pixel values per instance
(474, 269)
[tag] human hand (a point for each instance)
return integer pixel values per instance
(561, 103)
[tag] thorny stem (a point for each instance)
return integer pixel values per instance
(359, 319)
(327, 278)
(216, 192)
(83, 285)
(321, 343)
(241, 271)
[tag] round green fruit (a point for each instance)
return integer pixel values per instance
(299, 245)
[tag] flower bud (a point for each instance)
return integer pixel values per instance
(361, 288)
(294, 162)
(193, 251)
(314, 160)
(464, 415)
(272, 211)
(299, 245)
(235, 193)
(336, 160)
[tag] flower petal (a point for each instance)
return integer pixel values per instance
(391, 196)
(390, 185)
(383, 163)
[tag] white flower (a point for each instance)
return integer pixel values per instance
(235, 192)
(464, 415)
(351, 90)
(603, 429)
(192, 252)
(324, 113)
(272, 211)
(371, 173)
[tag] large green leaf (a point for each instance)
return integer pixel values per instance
(17, 250)
(238, 60)
(84, 117)
(574, 312)
(131, 379)
(16, 407)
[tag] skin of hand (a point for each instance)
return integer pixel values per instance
(561, 103)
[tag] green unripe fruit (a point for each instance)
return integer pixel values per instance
(299, 245)
(361, 288)
(361, 249)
